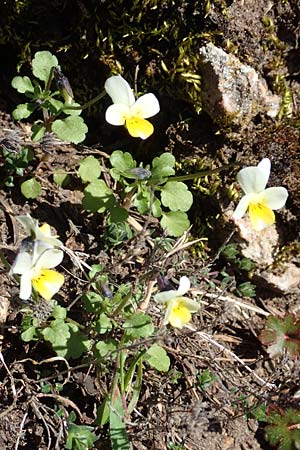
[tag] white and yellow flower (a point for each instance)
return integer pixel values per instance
(179, 309)
(40, 233)
(34, 262)
(128, 111)
(260, 201)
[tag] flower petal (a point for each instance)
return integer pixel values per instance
(29, 224)
(265, 167)
(48, 283)
(241, 207)
(24, 259)
(165, 296)
(138, 127)
(25, 285)
(254, 179)
(275, 197)
(189, 304)
(119, 90)
(261, 216)
(117, 114)
(146, 106)
(179, 315)
(45, 256)
(184, 286)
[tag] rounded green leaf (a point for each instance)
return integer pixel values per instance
(122, 161)
(61, 179)
(163, 166)
(42, 64)
(31, 188)
(176, 196)
(72, 129)
(37, 131)
(22, 84)
(89, 169)
(98, 197)
(23, 111)
(138, 326)
(157, 357)
(175, 223)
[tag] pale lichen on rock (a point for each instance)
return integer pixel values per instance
(232, 92)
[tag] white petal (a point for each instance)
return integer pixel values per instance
(45, 256)
(165, 296)
(25, 285)
(29, 224)
(168, 312)
(189, 304)
(242, 207)
(255, 179)
(275, 197)
(184, 286)
(117, 114)
(24, 259)
(119, 90)
(146, 106)
(265, 166)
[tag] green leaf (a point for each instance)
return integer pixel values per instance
(23, 111)
(77, 344)
(103, 324)
(157, 358)
(122, 161)
(38, 131)
(59, 312)
(139, 325)
(54, 105)
(80, 437)
(72, 129)
(117, 429)
(176, 196)
(98, 197)
(175, 223)
(283, 430)
(62, 179)
(72, 112)
(31, 188)
(282, 334)
(163, 166)
(102, 348)
(22, 84)
(42, 64)
(118, 214)
(89, 169)
(29, 335)
(92, 302)
(57, 333)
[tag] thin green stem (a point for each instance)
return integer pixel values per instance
(202, 174)
(4, 261)
(86, 105)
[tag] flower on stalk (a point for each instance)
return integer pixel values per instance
(128, 111)
(40, 233)
(260, 201)
(179, 309)
(34, 262)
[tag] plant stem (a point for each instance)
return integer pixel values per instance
(86, 105)
(202, 174)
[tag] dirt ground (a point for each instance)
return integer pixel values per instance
(173, 411)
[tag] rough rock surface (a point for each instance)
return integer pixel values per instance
(233, 92)
(262, 248)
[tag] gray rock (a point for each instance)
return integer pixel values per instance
(233, 92)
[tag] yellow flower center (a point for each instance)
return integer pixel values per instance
(138, 127)
(179, 315)
(261, 215)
